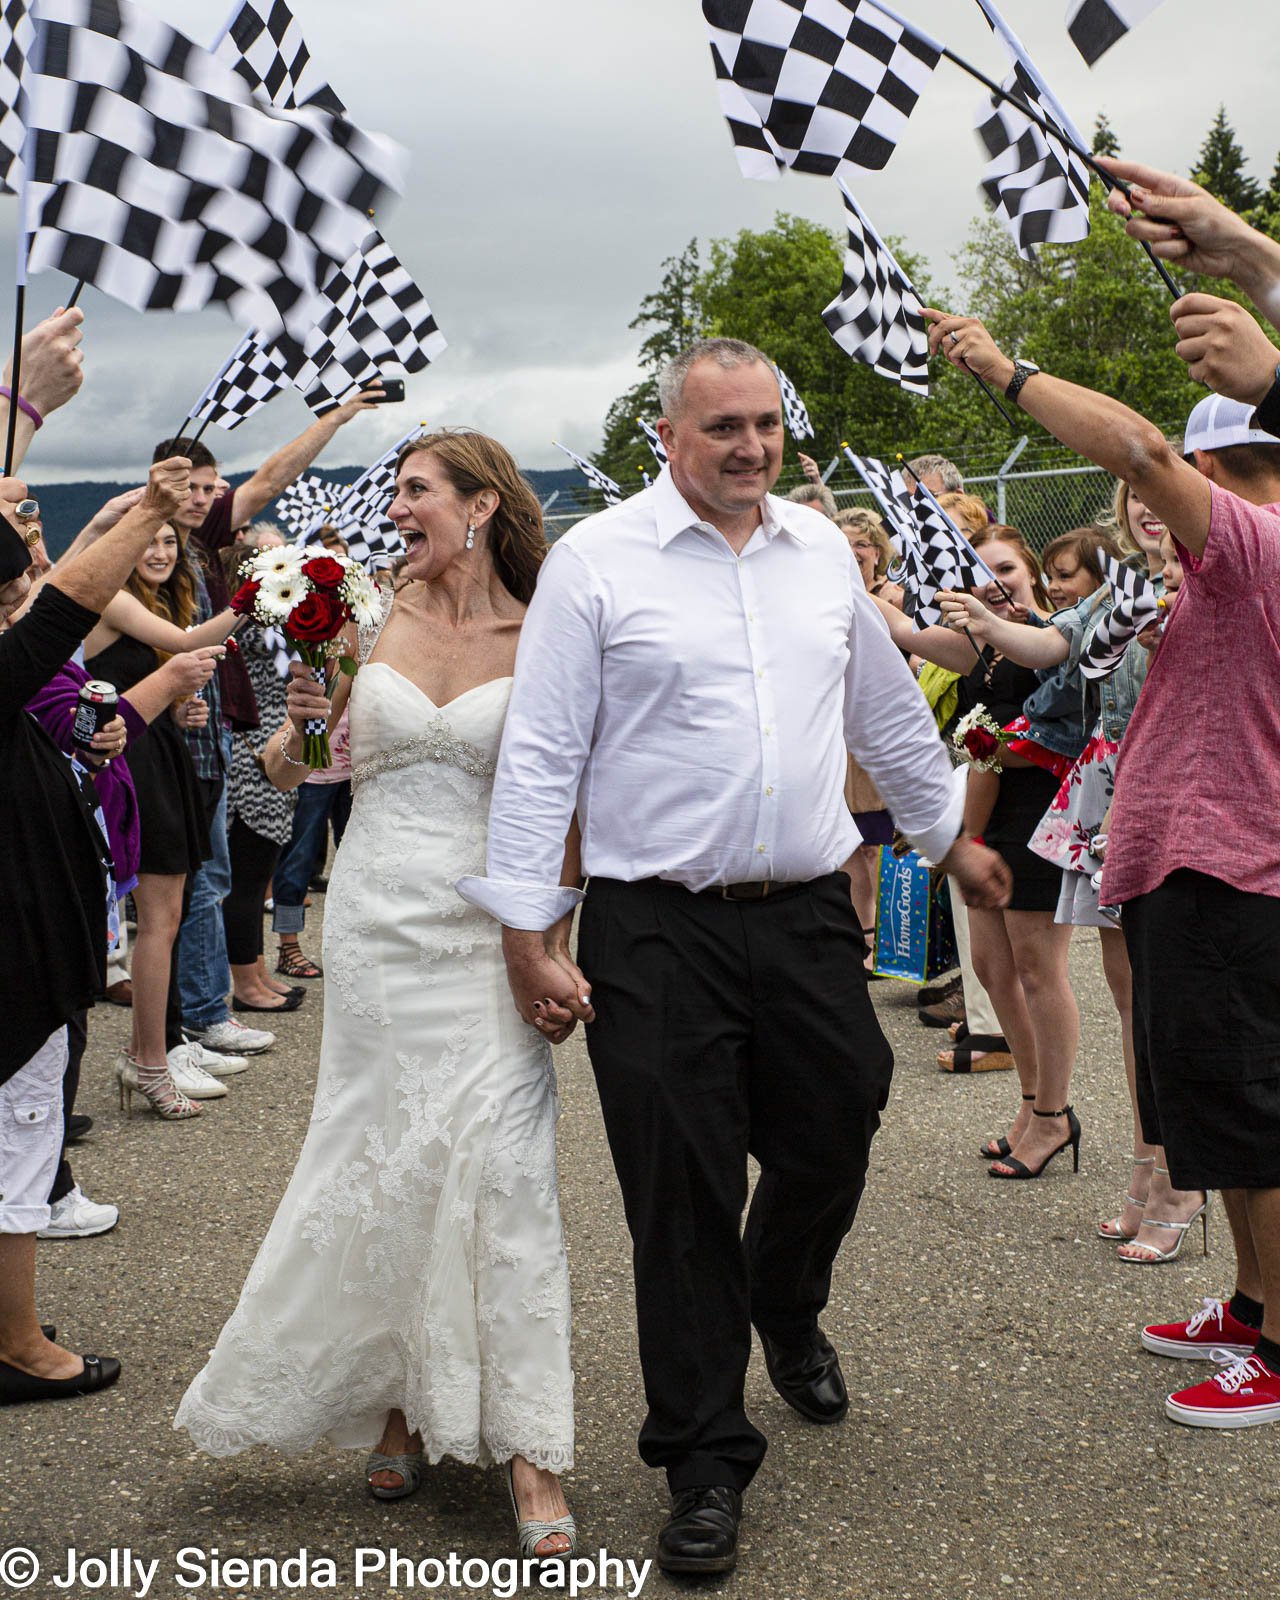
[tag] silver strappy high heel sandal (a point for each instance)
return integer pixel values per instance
(530, 1532)
(1111, 1230)
(1160, 1258)
(409, 1466)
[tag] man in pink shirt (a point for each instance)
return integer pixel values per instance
(1194, 852)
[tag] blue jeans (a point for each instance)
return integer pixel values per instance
(306, 850)
(204, 978)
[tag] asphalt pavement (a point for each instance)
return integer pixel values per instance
(1006, 1435)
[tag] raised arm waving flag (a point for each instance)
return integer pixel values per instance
(813, 84)
(877, 316)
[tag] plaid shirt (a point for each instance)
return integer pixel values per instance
(205, 744)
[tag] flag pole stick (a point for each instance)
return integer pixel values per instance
(1108, 182)
(199, 433)
(75, 295)
(15, 381)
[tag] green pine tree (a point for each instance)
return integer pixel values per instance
(1220, 167)
(1105, 142)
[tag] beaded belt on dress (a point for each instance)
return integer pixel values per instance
(438, 745)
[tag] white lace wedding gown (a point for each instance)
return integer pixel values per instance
(416, 1259)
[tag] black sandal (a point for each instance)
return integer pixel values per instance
(1019, 1169)
(291, 963)
(994, 1051)
(18, 1387)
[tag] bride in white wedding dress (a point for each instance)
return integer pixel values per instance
(412, 1293)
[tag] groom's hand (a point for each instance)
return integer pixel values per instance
(550, 994)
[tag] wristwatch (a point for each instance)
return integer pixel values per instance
(1022, 370)
(1267, 416)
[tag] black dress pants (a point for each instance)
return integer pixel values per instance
(726, 1028)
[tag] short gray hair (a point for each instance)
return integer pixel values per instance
(815, 494)
(947, 471)
(725, 353)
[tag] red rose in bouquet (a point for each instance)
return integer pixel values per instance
(317, 618)
(981, 745)
(324, 572)
(242, 601)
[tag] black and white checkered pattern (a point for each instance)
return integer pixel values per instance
(160, 180)
(812, 84)
(594, 476)
(793, 407)
(1038, 186)
(654, 442)
(877, 316)
(17, 35)
(360, 514)
(252, 375)
(919, 584)
(892, 496)
(950, 558)
(1095, 25)
(264, 44)
(305, 502)
(1134, 607)
(281, 654)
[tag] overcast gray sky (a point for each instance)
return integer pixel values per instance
(561, 150)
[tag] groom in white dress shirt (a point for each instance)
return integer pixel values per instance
(694, 665)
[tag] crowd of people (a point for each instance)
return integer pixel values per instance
(692, 729)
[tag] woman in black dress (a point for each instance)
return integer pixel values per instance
(1020, 953)
(142, 626)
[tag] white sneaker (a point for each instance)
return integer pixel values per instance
(75, 1216)
(214, 1062)
(191, 1080)
(234, 1037)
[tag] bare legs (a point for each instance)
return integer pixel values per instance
(1254, 1215)
(861, 867)
(1020, 958)
(158, 901)
(22, 1345)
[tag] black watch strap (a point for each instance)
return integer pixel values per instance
(1267, 416)
(1021, 372)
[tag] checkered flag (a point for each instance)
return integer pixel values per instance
(811, 84)
(252, 375)
(1036, 184)
(919, 583)
(947, 554)
(1095, 25)
(302, 503)
(892, 496)
(17, 35)
(877, 316)
(654, 442)
(1134, 606)
(594, 476)
(160, 180)
(793, 407)
(264, 44)
(360, 514)
(281, 653)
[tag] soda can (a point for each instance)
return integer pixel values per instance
(96, 707)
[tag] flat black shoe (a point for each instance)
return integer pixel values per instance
(701, 1534)
(18, 1387)
(77, 1127)
(807, 1375)
(288, 1002)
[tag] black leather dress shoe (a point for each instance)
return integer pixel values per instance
(807, 1375)
(702, 1532)
(77, 1127)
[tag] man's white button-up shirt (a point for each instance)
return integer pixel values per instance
(696, 705)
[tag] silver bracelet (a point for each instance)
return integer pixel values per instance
(284, 739)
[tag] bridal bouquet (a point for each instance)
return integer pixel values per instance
(979, 739)
(310, 599)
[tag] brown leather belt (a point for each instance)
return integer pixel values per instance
(757, 889)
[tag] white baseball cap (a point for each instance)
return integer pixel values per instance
(1217, 422)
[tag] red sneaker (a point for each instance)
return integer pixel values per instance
(1240, 1396)
(1212, 1328)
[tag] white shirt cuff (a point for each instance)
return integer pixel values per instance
(934, 841)
(531, 907)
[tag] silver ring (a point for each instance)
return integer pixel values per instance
(955, 337)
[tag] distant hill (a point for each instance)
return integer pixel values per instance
(67, 507)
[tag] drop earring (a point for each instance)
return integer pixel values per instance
(471, 535)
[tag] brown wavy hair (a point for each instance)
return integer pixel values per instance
(175, 599)
(1087, 545)
(473, 461)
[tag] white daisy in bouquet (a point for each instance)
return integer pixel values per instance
(311, 599)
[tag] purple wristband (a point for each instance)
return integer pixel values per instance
(23, 405)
